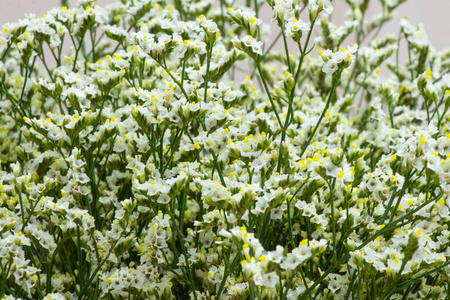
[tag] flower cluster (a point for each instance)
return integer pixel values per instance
(164, 150)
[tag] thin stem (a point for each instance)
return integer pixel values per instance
(291, 235)
(77, 51)
(15, 104)
(397, 54)
(219, 170)
(286, 49)
(330, 96)
(389, 227)
(227, 272)
(386, 212)
(174, 79)
(261, 75)
(333, 223)
(42, 58)
(6, 50)
(208, 61)
(95, 272)
(264, 55)
(290, 114)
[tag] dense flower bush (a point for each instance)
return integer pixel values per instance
(137, 164)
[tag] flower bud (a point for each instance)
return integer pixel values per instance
(411, 247)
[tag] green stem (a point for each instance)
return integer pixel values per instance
(94, 274)
(15, 104)
(333, 223)
(77, 51)
(291, 235)
(174, 148)
(227, 272)
(391, 200)
(387, 228)
(290, 113)
(219, 170)
(174, 79)
(330, 96)
(269, 95)
(97, 119)
(6, 50)
(286, 50)
(208, 62)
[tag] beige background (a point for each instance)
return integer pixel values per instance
(433, 13)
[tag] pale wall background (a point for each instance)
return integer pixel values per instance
(434, 14)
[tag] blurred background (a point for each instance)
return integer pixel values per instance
(434, 14)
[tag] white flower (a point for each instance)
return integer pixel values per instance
(246, 19)
(341, 59)
(115, 32)
(249, 45)
(317, 6)
(54, 296)
(266, 279)
(296, 28)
